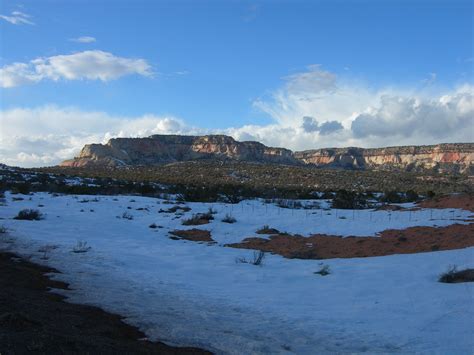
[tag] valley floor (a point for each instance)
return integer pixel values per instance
(198, 294)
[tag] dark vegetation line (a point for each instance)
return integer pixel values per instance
(232, 182)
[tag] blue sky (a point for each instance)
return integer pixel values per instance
(216, 65)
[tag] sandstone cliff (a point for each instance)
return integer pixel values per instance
(162, 149)
(458, 157)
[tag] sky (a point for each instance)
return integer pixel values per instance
(295, 74)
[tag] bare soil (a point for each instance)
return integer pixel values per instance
(195, 235)
(35, 321)
(406, 241)
(462, 201)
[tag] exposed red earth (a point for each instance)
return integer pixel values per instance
(406, 241)
(388, 242)
(462, 201)
(195, 235)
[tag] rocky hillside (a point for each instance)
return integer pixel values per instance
(458, 157)
(163, 149)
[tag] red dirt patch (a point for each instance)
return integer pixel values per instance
(406, 241)
(462, 201)
(194, 235)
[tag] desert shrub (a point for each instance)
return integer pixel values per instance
(391, 197)
(211, 211)
(21, 188)
(411, 196)
(369, 194)
(396, 197)
(196, 194)
(192, 221)
(324, 270)
(230, 194)
(145, 189)
(197, 219)
(81, 247)
(86, 200)
(127, 215)
(453, 275)
(267, 230)
(258, 258)
(174, 209)
(327, 195)
(229, 219)
(46, 250)
(208, 215)
(349, 200)
(29, 214)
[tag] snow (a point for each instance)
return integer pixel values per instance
(194, 294)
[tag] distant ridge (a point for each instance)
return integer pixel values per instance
(164, 149)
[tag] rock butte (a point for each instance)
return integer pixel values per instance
(164, 149)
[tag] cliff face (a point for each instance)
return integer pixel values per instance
(162, 149)
(442, 157)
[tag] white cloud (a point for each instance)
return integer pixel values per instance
(310, 124)
(83, 39)
(449, 117)
(312, 110)
(329, 127)
(88, 65)
(315, 93)
(354, 114)
(18, 18)
(49, 134)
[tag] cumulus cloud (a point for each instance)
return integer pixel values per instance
(17, 18)
(439, 118)
(86, 65)
(49, 134)
(329, 127)
(310, 110)
(315, 93)
(310, 124)
(352, 113)
(83, 39)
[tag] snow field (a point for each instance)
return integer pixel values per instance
(193, 294)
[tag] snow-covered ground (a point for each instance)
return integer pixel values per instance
(195, 294)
